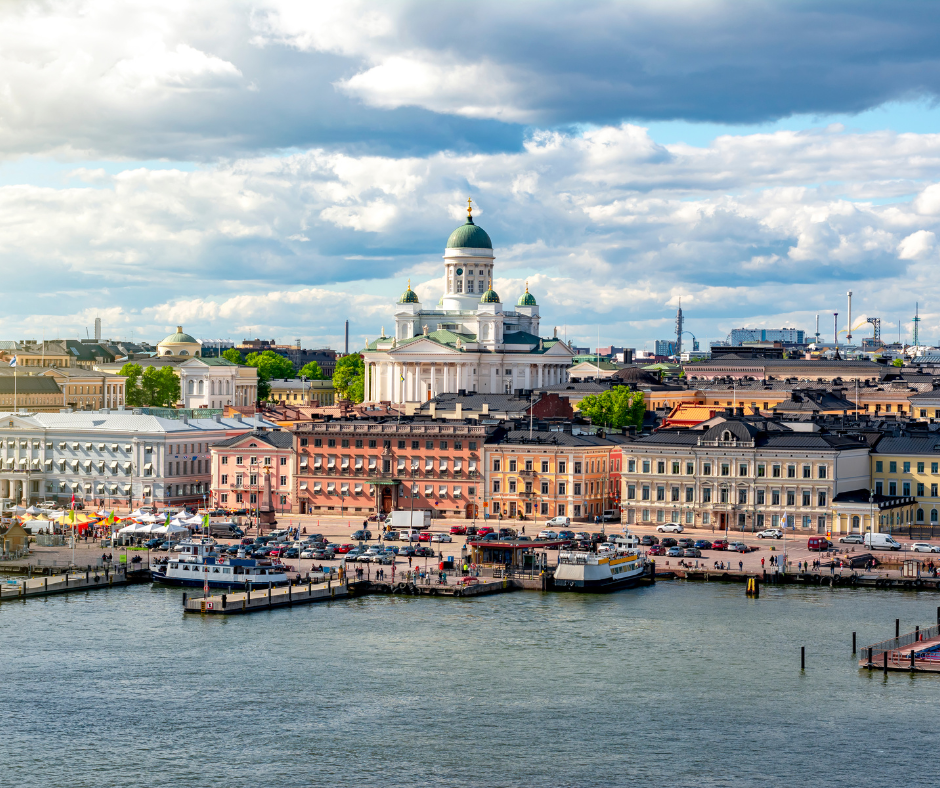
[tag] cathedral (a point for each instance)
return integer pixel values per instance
(468, 342)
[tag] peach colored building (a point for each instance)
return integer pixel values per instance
(240, 463)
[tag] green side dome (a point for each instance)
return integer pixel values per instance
(526, 299)
(469, 236)
(179, 338)
(490, 297)
(409, 296)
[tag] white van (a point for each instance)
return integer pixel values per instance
(881, 541)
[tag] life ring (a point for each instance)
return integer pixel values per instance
(458, 592)
(918, 583)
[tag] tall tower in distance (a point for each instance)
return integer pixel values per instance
(97, 329)
(848, 333)
(916, 324)
(679, 324)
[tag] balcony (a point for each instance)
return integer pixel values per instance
(527, 473)
(526, 494)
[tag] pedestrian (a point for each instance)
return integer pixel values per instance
(523, 530)
(762, 563)
(409, 560)
(740, 566)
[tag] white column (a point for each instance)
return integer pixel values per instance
(492, 380)
(459, 376)
(528, 376)
(433, 381)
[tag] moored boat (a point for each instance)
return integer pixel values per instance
(605, 570)
(199, 564)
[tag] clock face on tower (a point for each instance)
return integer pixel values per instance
(460, 272)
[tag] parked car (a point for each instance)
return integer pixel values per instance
(529, 539)
(547, 534)
(310, 552)
(691, 552)
(424, 536)
(362, 534)
(737, 547)
(566, 535)
(656, 549)
(583, 536)
(153, 544)
(390, 536)
(441, 538)
(424, 551)
(597, 536)
(471, 530)
(668, 542)
(559, 521)
(344, 548)
(852, 539)
(406, 551)
(720, 544)
(924, 547)
(458, 530)
(818, 543)
(770, 533)
(673, 528)
(648, 540)
(703, 544)
(291, 552)
(674, 552)
(490, 537)
(611, 516)
(507, 533)
(483, 531)
(686, 543)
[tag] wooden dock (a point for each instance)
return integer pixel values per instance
(914, 652)
(252, 601)
(478, 587)
(824, 579)
(65, 583)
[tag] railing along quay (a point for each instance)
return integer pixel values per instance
(257, 599)
(65, 583)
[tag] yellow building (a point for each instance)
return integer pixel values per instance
(294, 391)
(909, 466)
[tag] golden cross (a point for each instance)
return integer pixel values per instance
(469, 208)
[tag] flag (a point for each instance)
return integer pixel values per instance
(72, 516)
(205, 585)
(13, 362)
(167, 521)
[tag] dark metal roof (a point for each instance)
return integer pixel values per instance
(277, 439)
(909, 444)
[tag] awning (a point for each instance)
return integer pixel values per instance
(101, 447)
(303, 485)
(114, 466)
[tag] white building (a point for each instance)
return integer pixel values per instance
(468, 342)
(110, 456)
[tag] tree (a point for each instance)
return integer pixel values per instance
(898, 362)
(133, 395)
(311, 371)
(170, 392)
(270, 366)
(233, 355)
(349, 377)
(618, 407)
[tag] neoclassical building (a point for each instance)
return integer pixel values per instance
(469, 342)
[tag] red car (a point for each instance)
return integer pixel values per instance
(720, 544)
(458, 530)
(344, 548)
(424, 536)
(485, 530)
(276, 552)
(656, 550)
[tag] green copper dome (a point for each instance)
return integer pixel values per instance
(409, 296)
(179, 338)
(469, 236)
(526, 299)
(490, 297)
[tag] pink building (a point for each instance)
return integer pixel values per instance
(239, 465)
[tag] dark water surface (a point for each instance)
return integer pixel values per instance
(677, 685)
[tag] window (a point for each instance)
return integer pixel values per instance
(562, 466)
(331, 443)
(674, 495)
(933, 515)
(821, 498)
(907, 467)
(344, 443)
(707, 469)
(920, 467)
(675, 467)
(775, 497)
(807, 471)
(577, 467)
(791, 498)
(892, 488)
(689, 494)
(545, 466)
(646, 493)
(373, 444)
(577, 488)
(892, 467)
(631, 492)
(401, 444)
(806, 498)
(742, 469)
(496, 485)
(660, 516)
(224, 478)
(775, 471)
(879, 466)
(660, 466)
(429, 444)
(791, 471)
(562, 488)
(224, 460)
(920, 489)
(742, 496)
(443, 444)
(512, 465)
(706, 518)
(879, 486)
(512, 485)
(760, 497)
(496, 464)
(646, 466)
(660, 493)
(723, 495)
(544, 488)
(458, 446)
(473, 445)
(761, 471)
(239, 460)
(725, 469)
(906, 488)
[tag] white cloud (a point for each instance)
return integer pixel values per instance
(917, 245)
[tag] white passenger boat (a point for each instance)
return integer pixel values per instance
(606, 570)
(199, 563)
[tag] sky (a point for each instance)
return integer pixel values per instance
(271, 169)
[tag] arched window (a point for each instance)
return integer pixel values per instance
(184, 352)
(189, 387)
(856, 523)
(212, 386)
(920, 515)
(726, 435)
(200, 387)
(167, 352)
(933, 515)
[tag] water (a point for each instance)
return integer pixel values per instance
(678, 685)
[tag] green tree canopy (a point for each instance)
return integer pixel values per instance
(898, 362)
(311, 371)
(618, 407)
(349, 377)
(150, 387)
(233, 355)
(270, 366)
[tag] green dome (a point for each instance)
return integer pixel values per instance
(179, 337)
(409, 296)
(469, 236)
(490, 297)
(526, 299)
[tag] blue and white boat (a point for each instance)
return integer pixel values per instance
(199, 563)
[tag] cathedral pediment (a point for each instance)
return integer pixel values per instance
(425, 346)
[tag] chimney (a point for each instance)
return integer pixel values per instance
(486, 409)
(459, 410)
(433, 409)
